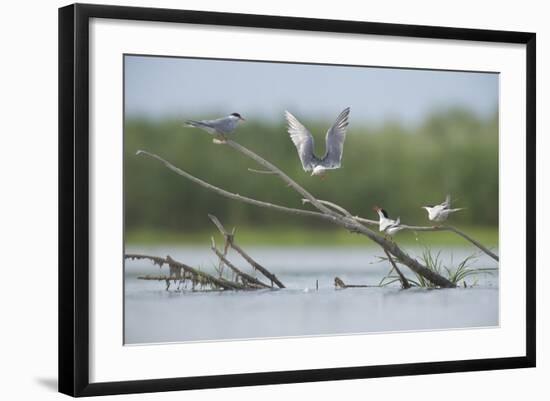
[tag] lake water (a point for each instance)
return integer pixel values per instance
(154, 315)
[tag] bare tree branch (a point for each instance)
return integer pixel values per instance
(230, 239)
(283, 176)
(458, 232)
(339, 283)
(404, 282)
(334, 206)
(252, 170)
(350, 223)
(244, 276)
(232, 195)
(413, 228)
(189, 272)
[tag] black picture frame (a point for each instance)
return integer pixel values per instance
(74, 198)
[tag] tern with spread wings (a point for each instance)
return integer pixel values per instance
(303, 140)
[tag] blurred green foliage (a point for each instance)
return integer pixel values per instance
(396, 167)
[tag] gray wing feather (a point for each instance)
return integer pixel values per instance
(303, 141)
(201, 124)
(335, 138)
(220, 125)
(447, 203)
(224, 125)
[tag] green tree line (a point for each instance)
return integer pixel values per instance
(394, 166)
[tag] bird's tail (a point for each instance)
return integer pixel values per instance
(193, 123)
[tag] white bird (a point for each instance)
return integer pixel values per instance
(387, 225)
(220, 127)
(305, 144)
(442, 211)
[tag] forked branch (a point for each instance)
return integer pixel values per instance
(246, 278)
(230, 240)
(455, 230)
(326, 213)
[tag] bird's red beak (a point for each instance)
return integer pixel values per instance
(242, 118)
(375, 208)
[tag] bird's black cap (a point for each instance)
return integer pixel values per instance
(379, 209)
(236, 115)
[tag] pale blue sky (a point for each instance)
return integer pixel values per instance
(159, 87)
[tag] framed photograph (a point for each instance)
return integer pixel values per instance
(251, 199)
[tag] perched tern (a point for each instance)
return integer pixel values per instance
(442, 211)
(220, 127)
(304, 143)
(387, 225)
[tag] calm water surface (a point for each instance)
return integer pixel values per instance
(154, 315)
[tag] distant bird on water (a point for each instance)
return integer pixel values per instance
(304, 143)
(442, 211)
(387, 225)
(220, 127)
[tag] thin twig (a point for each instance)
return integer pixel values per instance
(252, 170)
(331, 205)
(456, 231)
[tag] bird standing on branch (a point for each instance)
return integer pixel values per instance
(220, 127)
(442, 211)
(387, 225)
(305, 144)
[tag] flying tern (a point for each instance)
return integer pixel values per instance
(220, 127)
(442, 211)
(303, 140)
(387, 225)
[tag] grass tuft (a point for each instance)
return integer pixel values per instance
(433, 261)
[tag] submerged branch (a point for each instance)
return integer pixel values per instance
(181, 271)
(246, 278)
(230, 239)
(339, 283)
(404, 282)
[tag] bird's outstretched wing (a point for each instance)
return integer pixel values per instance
(303, 141)
(447, 203)
(335, 138)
